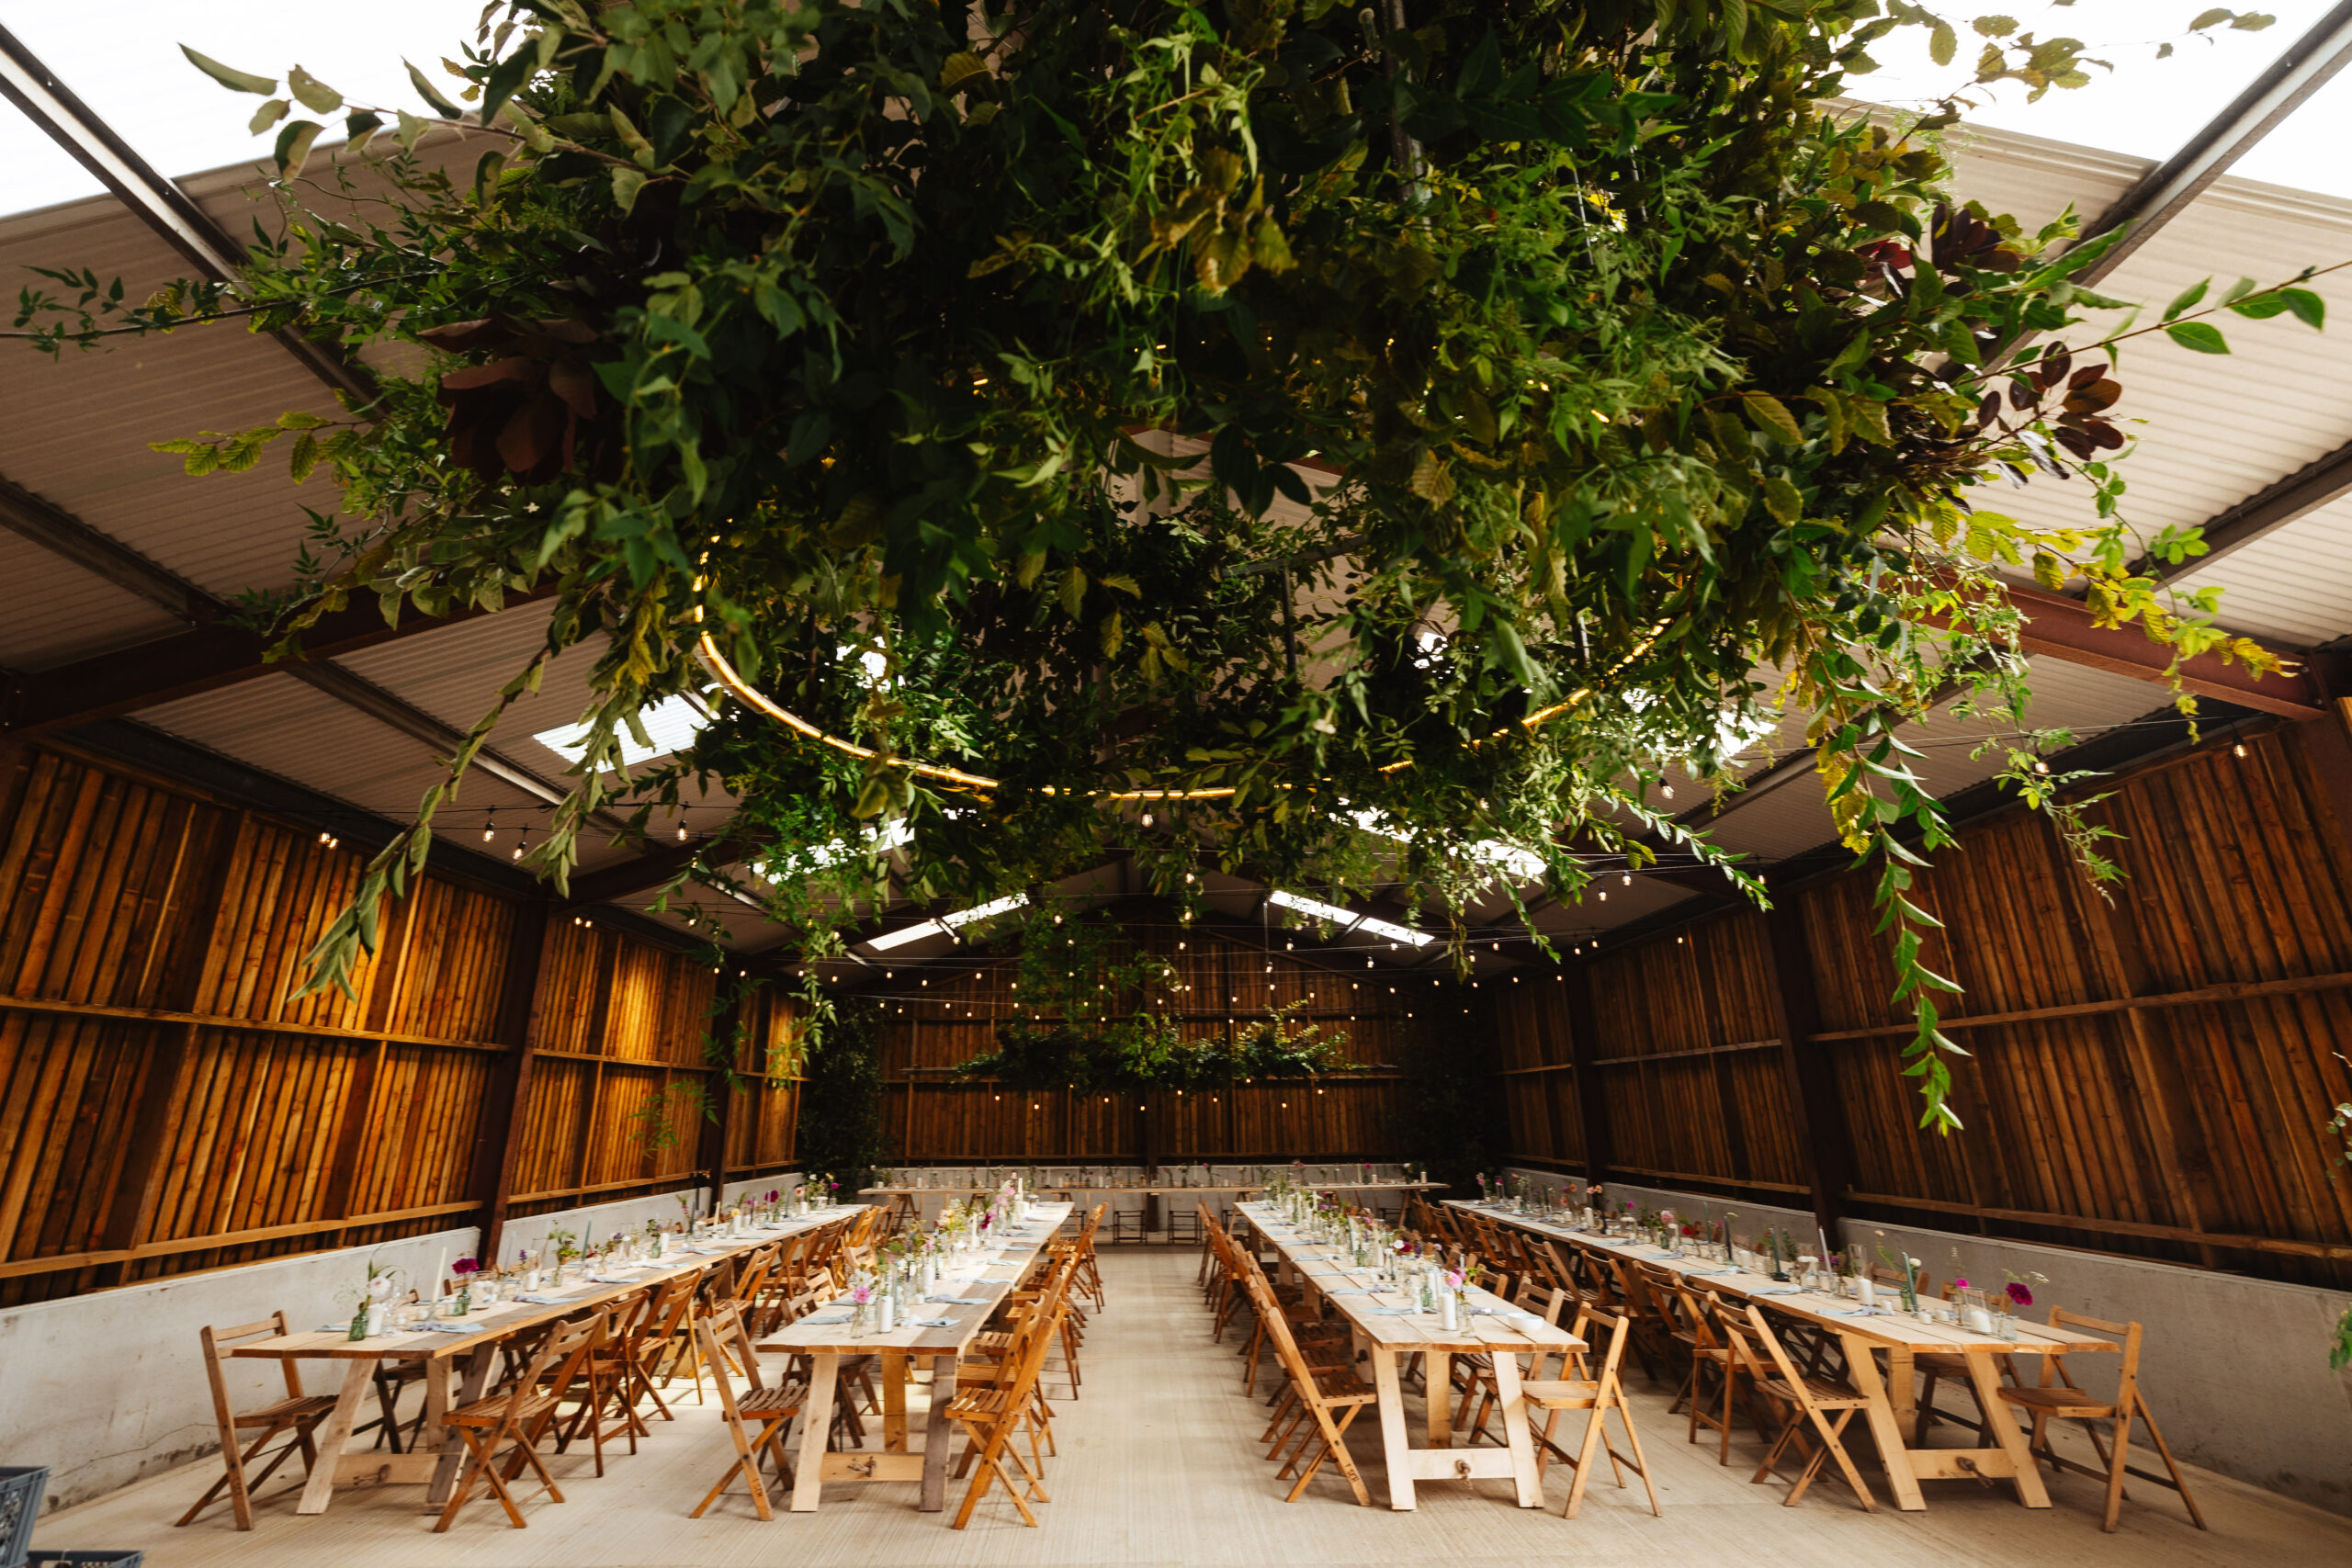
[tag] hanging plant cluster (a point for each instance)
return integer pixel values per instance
(1095, 1012)
(1331, 441)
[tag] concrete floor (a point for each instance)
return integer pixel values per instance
(1159, 1466)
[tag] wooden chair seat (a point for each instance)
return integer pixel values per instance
(1573, 1395)
(294, 1407)
(786, 1399)
(525, 1405)
(2064, 1403)
(1821, 1396)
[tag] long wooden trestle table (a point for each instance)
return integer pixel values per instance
(438, 1456)
(976, 1286)
(1385, 1327)
(908, 1199)
(1865, 1336)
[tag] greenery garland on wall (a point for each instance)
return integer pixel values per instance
(1360, 445)
(1100, 1018)
(840, 1130)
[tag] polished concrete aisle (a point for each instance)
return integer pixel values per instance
(1159, 1466)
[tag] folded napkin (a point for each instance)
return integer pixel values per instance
(1866, 1312)
(1001, 1279)
(821, 1322)
(930, 1322)
(1791, 1290)
(1349, 1291)
(1391, 1311)
(954, 1301)
(544, 1300)
(438, 1328)
(608, 1279)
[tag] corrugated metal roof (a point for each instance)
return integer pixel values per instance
(57, 611)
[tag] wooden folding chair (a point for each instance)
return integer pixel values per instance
(991, 1412)
(1809, 1403)
(298, 1414)
(517, 1418)
(1328, 1399)
(1560, 1304)
(1598, 1396)
(757, 1418)
(2064, 1401)
(1714, 1359)
(612, 1376)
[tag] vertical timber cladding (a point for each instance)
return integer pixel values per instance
(2160, 1079)
(165, 1108)
(765, 1114)
(1370, 1014)
(620, 1068)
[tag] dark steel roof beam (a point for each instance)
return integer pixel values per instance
(2301, 69)
(159, 203)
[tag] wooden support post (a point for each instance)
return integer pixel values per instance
(1813, 1087)
(506, 1099)
(1584, 1051)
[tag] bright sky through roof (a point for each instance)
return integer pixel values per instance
(122, 58)
(670, 724)
(2145, 107)
(128, 67)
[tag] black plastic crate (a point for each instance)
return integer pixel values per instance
(20, 1490)
(85, 1559)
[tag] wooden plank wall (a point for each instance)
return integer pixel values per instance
(942, 1014)
(165, 1109)
(2154, 1074)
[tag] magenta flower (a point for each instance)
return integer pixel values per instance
(464, 1266)
(1960, 1284)
(2019, 1294)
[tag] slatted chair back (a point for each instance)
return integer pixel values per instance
(296, 1415)
(2064, 1400)
(752, 1272)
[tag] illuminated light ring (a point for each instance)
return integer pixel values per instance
(726, 674)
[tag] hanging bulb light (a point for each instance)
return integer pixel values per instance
(490, 828)
(1147, 819)
(681, 830)
(1629, 879)
(2239, 748)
